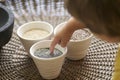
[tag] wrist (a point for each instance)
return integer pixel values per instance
(74, 24)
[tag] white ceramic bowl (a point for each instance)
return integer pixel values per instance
(49, 68)
(77, 49)
(27, 43)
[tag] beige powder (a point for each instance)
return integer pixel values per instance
(35, 34)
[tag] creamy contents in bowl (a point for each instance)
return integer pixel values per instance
(35, 34)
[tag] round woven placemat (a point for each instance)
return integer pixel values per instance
(15, 64)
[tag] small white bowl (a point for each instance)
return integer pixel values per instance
(49, 68)
(27, 43)
(77, 49)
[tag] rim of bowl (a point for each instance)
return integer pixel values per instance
(90, 36)
(10, 18)
(51, 32)
(32, 54)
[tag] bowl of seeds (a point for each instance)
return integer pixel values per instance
(79, 42)
(48, 64)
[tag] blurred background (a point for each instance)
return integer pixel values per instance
(52, 11)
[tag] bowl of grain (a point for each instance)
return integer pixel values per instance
(49, 64)
(79, 42)
(34, 31)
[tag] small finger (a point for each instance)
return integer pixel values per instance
(53, 44)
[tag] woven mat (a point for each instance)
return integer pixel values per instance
(15, 64)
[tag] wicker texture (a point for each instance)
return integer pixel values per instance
(15, 64)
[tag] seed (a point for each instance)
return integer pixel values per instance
(45, 53)
(80, 34)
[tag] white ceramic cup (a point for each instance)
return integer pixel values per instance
(49, 68)
(27, 43)
(77, 49)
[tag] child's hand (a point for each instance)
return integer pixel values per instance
(62, 37)
(64, 34)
